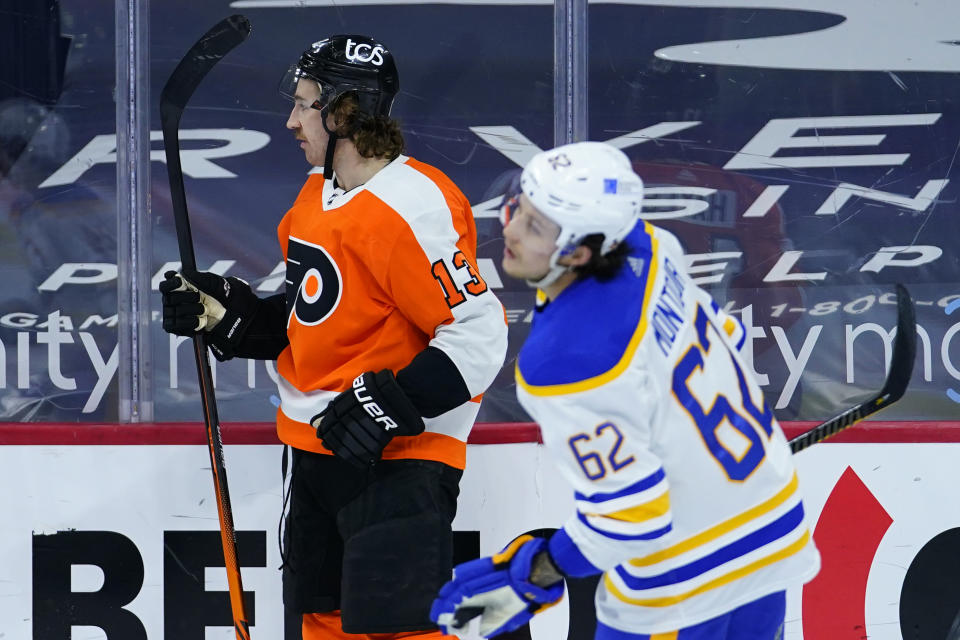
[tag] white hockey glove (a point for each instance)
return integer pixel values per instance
(497, 589)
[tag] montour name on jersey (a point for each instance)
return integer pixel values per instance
(668, 313)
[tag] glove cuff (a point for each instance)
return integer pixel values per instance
(521, 566)
(241, 306)
(409, 420)
(568, 557)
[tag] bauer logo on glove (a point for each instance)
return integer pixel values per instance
(371, 407)
(360, 422)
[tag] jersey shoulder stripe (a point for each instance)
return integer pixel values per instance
(408, 191)
(562, 355)
(437, 177)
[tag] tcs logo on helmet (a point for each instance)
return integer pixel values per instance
(314, 284)
(362, 52)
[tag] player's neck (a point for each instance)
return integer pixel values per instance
(355, 170)
(558, 285)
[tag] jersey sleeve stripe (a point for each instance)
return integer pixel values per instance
(634, 530)
(645, 535)
(787, 492)
(776, 530)
(625, 359)
(656, 508)
(642, 485)
(626, 502)
(666, 601)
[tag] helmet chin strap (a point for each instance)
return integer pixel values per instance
(331, 145)
(555, 271)
(549, 278)
(328, 159)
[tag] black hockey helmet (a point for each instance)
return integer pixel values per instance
(344, 63)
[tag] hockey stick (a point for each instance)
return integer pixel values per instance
(954, 632)
(209, 49)
(901, 367)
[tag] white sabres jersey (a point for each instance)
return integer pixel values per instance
(686, 492)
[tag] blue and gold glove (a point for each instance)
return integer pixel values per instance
(497, 589)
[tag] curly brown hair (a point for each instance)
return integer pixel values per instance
(602, 267)
(374, 137)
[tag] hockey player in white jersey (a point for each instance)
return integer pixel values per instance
(687, 498)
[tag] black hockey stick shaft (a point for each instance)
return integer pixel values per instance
(953, 633)
(898, 378)
(184, 80)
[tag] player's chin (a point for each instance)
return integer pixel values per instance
(510, 266)
(313, 155)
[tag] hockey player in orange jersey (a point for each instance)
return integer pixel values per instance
(385, 339)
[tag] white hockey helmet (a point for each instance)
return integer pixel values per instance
(586, 188)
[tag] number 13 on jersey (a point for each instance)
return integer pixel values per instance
(454, 295)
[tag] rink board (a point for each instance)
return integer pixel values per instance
(81, 519)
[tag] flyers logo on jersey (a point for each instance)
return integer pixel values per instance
(314, 284)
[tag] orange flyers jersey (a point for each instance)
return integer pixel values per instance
(374, 276)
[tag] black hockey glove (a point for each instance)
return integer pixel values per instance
(360, 421)
(199, 300)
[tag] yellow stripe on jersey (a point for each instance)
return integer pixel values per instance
(621, 366)
(724, 527)
(730, 326)
(670, 635)
(647, 511)
(667, 601)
